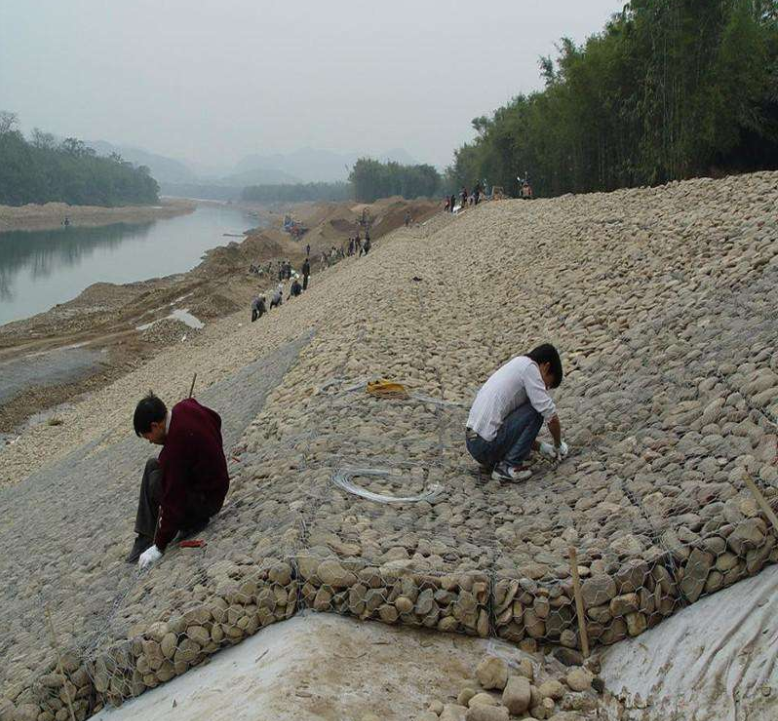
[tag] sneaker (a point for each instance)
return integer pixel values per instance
(142, 543)
(512, 474)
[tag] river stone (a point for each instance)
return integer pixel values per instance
(453, 712)
(463, 699)
(696, 573)
(598, 590)
(517, 695)
(487, 713)
(579, 679)
(492, 673)
(747, 534)
(331, 573)
(551, 689)
(622, 605)
(636, 623)
(483, 699)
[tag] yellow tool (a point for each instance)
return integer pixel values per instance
(386, 389)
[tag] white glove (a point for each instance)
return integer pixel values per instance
(554, 453)
(149, 557)
(547, 451)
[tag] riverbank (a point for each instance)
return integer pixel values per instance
(123, 326)
(52, 215)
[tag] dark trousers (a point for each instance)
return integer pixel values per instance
(305, 282)
(513, 441)
(148, 503)
(150, 497)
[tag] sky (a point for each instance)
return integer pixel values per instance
(214, 80)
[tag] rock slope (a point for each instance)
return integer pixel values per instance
(662, 303)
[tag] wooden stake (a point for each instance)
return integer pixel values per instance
(760, 499)
(191, 388)
(579, 606)
(59, 664)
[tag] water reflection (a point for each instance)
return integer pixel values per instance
(39, 269)
(42, 252)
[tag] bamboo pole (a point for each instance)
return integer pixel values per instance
(760, 499)
(59, 664)
(191, 388)
(579, 606)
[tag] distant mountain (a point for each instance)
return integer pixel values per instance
(260, 176)
(163, 169)
(311, 165)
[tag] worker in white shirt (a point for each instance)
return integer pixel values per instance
(509, 411)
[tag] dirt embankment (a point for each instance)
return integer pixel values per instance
(52, 215)
(131, 323)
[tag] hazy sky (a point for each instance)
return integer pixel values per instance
(212, 81)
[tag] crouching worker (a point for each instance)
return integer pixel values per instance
(509, 411)
(186, 485)
(258, 307)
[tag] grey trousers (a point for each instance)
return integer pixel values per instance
(148, 503)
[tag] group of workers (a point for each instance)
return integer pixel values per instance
(358, 246)
(259, 303)
(185, 486)
(465, 198)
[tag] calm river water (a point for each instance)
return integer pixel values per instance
(39, 269)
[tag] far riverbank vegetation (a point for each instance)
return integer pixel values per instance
(42, 170)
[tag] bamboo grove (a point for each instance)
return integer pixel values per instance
(668, 90)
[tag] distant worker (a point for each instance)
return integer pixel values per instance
(463, 198)
(185, 486)
(477, 192)
(509, 411)
(367, 245)
(358, 245)
(453, 202)
(407, 218)
(295, 289)
(306, 273)
(258, 307)
(308, 250)
(350, 247)
(278, 296)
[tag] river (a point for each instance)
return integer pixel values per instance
(39, 269)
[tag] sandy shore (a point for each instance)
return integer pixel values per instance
(51, 215)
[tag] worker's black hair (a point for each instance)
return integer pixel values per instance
(546, 353)
(150, 409)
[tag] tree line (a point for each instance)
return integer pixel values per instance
(368, 181)
(670, 89)
(371, 180)
(42, 170)
(297, 192)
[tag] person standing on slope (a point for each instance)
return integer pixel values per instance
(186, 484)
(508, 413)
(306, 273)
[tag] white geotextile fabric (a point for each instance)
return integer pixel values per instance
(713, 661)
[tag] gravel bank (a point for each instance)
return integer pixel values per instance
(662, 302)
(52, 215)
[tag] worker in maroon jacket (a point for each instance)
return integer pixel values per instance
(187, 484)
